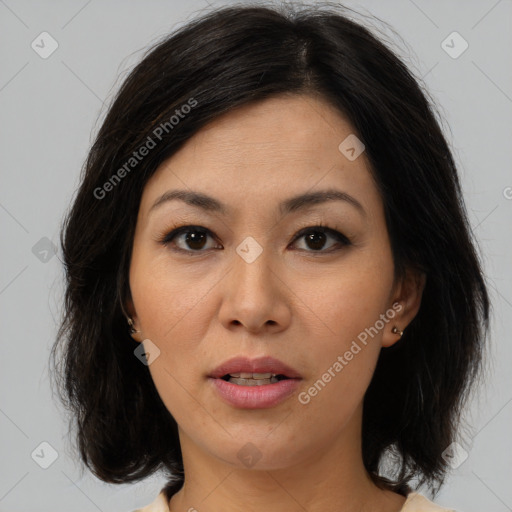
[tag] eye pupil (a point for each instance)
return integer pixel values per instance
(195, 237)
(317, 239)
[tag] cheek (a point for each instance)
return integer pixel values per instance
(350, 316)
(350, 300)
(344, 360)
(335, 309)
(164, 299)
(172, 310)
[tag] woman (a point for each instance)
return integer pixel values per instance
(272, 287)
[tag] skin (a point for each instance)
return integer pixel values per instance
(294, 302)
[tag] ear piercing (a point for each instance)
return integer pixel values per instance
(396, 330)
(132, 328)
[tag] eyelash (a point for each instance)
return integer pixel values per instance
(167, 238)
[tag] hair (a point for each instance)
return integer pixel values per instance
(227, 58)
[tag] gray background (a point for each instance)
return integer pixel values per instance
(50, 109)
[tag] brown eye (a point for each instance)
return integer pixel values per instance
(194, 239)
(315, 238)
(189, 238)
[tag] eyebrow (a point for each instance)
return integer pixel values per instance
(293, 204)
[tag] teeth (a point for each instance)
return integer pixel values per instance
(244, 375)
(253, 379)
(253, 382)
(261, 375)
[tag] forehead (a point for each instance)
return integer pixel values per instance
(265, 152)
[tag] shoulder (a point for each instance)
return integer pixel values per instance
(160, 504)
(416, 502)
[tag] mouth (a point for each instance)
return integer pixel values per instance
(253, 379)
(254, 372)
(259, 383)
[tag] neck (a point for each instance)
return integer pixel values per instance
(333, 478)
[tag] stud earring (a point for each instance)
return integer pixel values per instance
(396, 330)
(132, 328)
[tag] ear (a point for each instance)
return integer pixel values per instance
(406, 301)
(129, 307)
(130, 310)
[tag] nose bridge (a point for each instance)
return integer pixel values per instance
(252, 262)
(252, 295)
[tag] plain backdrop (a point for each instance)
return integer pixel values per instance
(51, 107)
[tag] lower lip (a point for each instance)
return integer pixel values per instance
(255, 397)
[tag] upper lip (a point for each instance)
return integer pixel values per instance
(265, 364)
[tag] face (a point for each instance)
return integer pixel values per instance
(307, 283)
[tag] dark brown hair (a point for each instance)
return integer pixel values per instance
(228, 58)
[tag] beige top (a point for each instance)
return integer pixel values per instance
(415, 502)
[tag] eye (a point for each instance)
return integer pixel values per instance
(315, 238)
(193, 239)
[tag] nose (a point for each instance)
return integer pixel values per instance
(254, 297)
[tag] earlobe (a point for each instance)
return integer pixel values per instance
(408, 298)
(129, 313)
(393, 333)
(396, 330)
(134, 332)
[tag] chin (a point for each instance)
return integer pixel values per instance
(260, 453)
